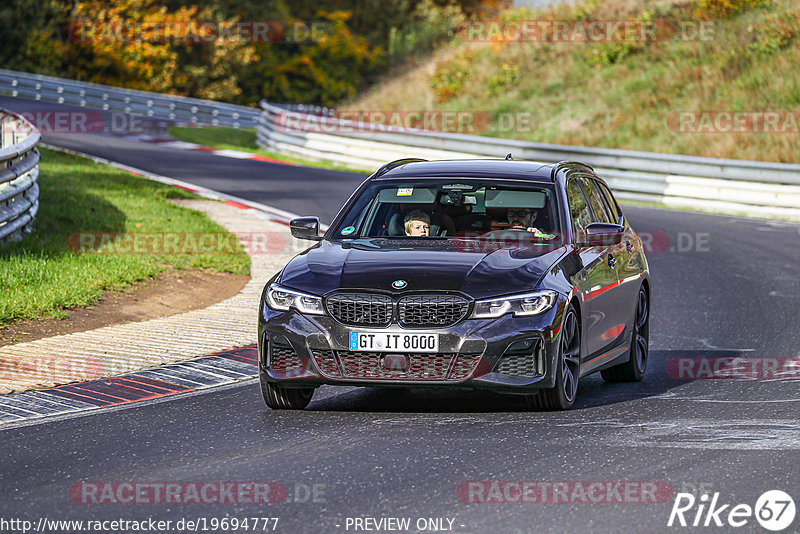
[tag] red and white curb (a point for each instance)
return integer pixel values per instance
(169, 142)
(218, 369)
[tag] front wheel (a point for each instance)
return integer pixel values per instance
(280, 398)
(568, 368)
(633, 370)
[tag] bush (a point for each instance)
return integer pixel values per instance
(430, 25)
(449, 78)
(712, 9)
(508, 76)
(776, 33)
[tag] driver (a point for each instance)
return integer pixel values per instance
(522, 219)
(417, 223)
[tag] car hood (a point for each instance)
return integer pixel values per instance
(470, 267)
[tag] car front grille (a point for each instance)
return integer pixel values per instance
(415, 311)
(370, 366)
(432, 310)
(360, 309)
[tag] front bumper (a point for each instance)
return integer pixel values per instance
(510, 354)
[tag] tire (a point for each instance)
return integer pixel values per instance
(633, 370)
(280, 398)
(568, 366)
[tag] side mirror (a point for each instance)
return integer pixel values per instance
(306, 228)
(599, 234)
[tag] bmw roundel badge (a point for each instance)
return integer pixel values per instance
(399, 284)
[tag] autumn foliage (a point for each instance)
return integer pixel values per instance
(315, 51)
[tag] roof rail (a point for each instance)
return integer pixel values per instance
(396, 163)
(566, 163)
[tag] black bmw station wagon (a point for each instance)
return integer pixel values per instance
(512, 276)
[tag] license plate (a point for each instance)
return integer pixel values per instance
(394, 342)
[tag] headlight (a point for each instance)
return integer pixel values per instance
(281, 299)
(520, 305)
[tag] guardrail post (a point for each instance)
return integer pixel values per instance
(6, 137)
(19, 172)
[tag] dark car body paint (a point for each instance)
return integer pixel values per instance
(436, 266)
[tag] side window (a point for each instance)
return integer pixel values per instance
(611, 202)
(596, 202)
(578, 209)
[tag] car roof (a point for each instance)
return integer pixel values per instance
(471, 168)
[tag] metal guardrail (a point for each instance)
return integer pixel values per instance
(19, 172)
(116, 99)
(723, 185)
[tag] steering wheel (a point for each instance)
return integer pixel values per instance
(501, 234)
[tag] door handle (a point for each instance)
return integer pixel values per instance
(612, 262)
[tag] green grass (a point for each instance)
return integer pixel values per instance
(42, 275)
(627, 96)
(244, 139)
(222, 138)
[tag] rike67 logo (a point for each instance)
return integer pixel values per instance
(774, 510)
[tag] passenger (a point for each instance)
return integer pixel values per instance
(417, 223)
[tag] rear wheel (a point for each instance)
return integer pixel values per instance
(568, 368)
(280, 398)
(633, 370)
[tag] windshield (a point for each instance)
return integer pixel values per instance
(451, 208)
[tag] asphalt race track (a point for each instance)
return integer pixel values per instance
(723, 287)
